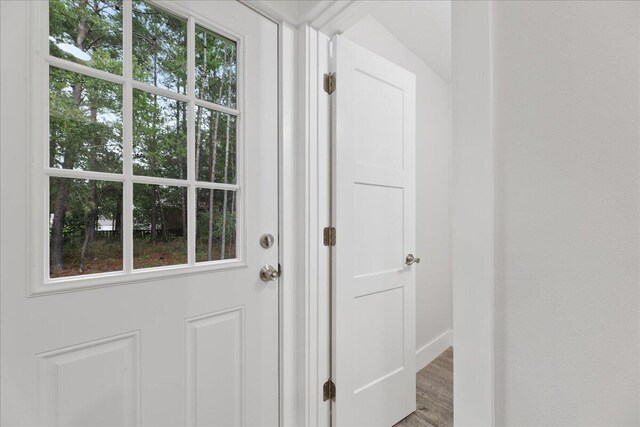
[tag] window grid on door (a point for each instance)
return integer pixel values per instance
(127, 178)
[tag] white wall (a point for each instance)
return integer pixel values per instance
(566, 132)
(433, 161)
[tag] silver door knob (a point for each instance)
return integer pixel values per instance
(268, 273)
(411, 259)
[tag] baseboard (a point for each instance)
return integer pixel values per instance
(427, 353)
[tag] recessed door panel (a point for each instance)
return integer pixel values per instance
(380, 119)
(379, 331)
(378, 237)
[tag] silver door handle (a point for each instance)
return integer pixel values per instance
(411, 259)
(268, 273)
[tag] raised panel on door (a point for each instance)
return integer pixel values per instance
(92, 384)
(374, 216)
(216, 369)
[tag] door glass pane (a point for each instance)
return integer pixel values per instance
(216, 224)
(215, 146)
(85, 224)
(160, 225)
(159, 47)
(86, 134)
(87, 32)
(216, 68)
(85, 122)
(159, 136)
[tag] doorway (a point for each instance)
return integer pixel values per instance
(433, 147)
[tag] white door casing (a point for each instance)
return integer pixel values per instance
(373, 207)
(172, 347)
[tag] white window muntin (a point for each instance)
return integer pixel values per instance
(39, 282)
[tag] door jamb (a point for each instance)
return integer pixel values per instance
(313, 206)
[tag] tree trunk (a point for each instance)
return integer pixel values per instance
(153, 153)
(118, 217)
(89, 226)
(91, 231)
(213, 153)
(57, 226)
(56, 262)
(154, 214)
(226, 174)
(232, 241)
(163, 224)
(185, 203)
(184, 214)
(183, 175)
(199, 112)
(213, 138)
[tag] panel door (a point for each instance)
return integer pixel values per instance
(374, 217)
(139, 172)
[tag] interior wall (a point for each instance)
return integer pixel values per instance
(433, 169)
(567, 106)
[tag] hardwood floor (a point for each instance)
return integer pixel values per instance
(434, 394)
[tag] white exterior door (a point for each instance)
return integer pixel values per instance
(374, 216)
(139, 172)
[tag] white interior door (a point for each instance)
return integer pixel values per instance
(150, 131)
(374, 217)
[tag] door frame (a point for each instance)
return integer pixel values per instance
(315, 197)
(472, 233)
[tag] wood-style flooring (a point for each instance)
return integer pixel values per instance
(434, 394)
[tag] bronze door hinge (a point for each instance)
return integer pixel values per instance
(329, 82)
(329, 236)
(329, 391)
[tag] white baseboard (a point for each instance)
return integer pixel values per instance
(428, 352)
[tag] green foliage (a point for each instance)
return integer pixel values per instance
(159, 47)
(85, 122)
(215, 68)
(93, 26)
(168, 202)
(86, 133)
(108, 205)
(218, 221)
(160, 136)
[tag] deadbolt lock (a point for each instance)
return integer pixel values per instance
(266, 240)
